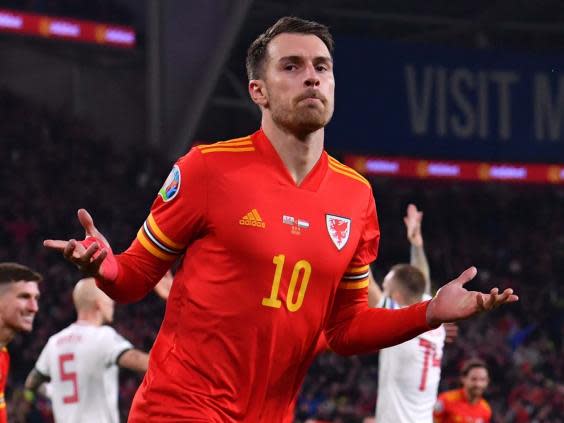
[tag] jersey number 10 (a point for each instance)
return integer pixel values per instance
(301, 268)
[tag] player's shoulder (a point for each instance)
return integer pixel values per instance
(485, 405)
(346, 173)
(108, 332)
(450, 396)
(228, 148)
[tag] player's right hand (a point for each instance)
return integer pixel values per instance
(93, 256)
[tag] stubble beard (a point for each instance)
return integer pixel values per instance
(301, 120)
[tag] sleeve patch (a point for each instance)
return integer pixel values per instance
(171, 186)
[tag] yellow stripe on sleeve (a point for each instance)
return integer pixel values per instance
(226, 144)
(360, 269)
(141, 237)
(350, 175)
(227, 149)
(162, 237)
(354, 285)
(339, 167)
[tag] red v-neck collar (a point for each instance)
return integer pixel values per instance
(313, 179)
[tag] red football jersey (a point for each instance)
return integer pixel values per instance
(269, 265)
(265, 260)
(4, 369)
(453, 407)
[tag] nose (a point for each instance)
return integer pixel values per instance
(312, 79)
(33, 305)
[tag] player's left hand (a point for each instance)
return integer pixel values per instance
(454, 302)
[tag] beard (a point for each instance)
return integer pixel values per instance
(301, 118)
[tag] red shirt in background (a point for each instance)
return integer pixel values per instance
(4, 369)
(454, 407)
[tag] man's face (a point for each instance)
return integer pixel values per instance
(298, 82)
(19, 305)
(475, 382)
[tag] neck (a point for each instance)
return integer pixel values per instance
(299, 153)
(6, 335)
(93, 317)
(471, 399)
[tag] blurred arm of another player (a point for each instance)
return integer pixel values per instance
(374, 291)
(413, 220)
(418, 258)
(36, 382)
(162, 289)
(134, 359)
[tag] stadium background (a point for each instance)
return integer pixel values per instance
(87, 123)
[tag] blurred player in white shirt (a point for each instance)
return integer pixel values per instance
(81, 361)
(409, 373)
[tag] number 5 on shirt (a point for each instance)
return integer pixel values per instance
(68, 377)
(301, 269)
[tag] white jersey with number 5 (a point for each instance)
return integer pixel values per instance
(408, 376)
(81, 361)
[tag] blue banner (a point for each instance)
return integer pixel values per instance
(422, 100)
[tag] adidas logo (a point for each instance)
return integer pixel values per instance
(252, 218)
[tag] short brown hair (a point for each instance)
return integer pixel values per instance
(410, 280)
(473, 363)
(14, 272)
(256, 53)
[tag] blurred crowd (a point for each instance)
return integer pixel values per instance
(110, 11)
(53, 164)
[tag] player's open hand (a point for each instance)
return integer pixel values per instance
(412, 220)
(88, 255)
(454, 302)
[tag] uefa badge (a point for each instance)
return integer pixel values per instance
(172, 185)
(339, 229)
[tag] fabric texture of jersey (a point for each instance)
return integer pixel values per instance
(454, 407)
(81, 362)
(4, 370)
(409, 375)
(265, 260)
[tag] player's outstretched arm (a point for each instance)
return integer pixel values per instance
(93, 256)
(125, 277)
(453, 302)
(354, 328)
(135, 360)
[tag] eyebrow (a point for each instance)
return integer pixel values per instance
(296, 58)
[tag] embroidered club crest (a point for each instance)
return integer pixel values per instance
(339, 229)
(172, 185)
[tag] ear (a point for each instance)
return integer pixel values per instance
(258, 92)
(98, 303)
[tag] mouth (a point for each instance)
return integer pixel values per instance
(311, 100)
(28, 319)
(311, 97)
